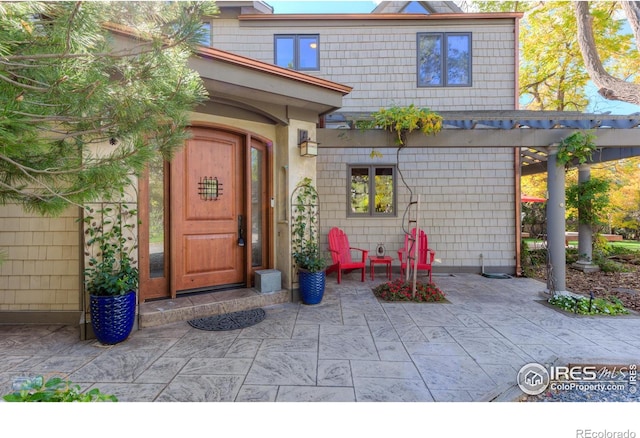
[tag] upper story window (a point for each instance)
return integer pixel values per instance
(444, 59)
(372, 190)
(415, 8)
(297, 52)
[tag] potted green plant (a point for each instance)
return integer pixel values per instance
(111, 276)
(309, 261)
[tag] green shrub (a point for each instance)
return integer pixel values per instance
(572, 255)
(55, 390)
(589, 306)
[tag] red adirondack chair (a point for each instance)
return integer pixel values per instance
(425, 256)
(341, 254)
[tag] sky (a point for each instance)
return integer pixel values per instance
(598, 104)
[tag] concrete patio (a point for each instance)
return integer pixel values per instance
(349, 348)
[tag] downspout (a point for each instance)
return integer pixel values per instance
(516, 64)
(518, 210)
(84, 335)
(517, 157)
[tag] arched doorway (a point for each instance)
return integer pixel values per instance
(207, 214)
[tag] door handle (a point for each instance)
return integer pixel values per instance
(240, 226)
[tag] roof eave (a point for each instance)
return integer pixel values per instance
(242, 61)
(380, 17)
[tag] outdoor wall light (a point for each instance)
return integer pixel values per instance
(308, 147)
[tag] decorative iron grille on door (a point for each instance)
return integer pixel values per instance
(209, 188)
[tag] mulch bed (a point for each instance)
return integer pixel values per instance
(623, 285)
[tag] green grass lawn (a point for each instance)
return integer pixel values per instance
(632, 245)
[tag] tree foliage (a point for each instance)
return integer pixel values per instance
(620, 214)
(81, 111)
(612, 86)
(552, 71)
(590, 199)
(553, 76)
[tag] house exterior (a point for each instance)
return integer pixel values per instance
(334, 70)
(240, 136)
(467, 194)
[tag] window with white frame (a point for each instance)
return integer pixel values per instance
(371, 190)
(297, 52)
(444, 59)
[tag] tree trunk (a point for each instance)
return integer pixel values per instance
(610, 88)
(632, 11)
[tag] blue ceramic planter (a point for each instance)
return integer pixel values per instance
(311, 286)
(112, 317)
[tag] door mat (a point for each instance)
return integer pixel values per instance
(229, 321)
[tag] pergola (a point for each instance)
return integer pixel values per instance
(534, 136)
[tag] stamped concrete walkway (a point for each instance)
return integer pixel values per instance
(349, 348)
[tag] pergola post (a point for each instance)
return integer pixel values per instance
(556, 283)
(585, 232)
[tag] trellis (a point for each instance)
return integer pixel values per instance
(305, 220)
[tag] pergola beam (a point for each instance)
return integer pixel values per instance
(601, 156)
(478, 138)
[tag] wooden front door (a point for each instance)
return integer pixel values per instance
(205, 220)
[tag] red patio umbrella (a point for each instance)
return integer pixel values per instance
(526, 198)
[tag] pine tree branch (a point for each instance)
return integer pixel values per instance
(30, 193)
(21, 85)
(76, 8)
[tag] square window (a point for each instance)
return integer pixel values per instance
(297, 52)
(372, 190)
(444, 59)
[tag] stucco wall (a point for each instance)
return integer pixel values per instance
(41, 271)
(378, 59)
(467, 203)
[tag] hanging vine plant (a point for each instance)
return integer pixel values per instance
(578, 146)
(403, 120)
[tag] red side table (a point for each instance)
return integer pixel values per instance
(386, 260)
